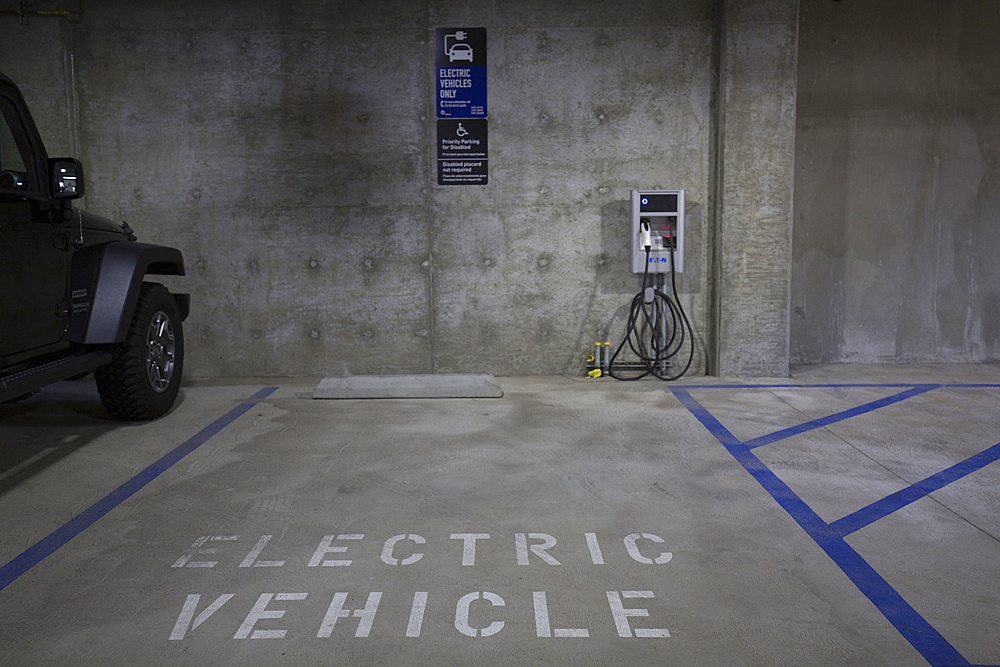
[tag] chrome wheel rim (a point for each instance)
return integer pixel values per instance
(160, 352)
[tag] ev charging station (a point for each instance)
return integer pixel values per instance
(658, 328)
(657, 218)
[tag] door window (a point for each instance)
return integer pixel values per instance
(17, 164)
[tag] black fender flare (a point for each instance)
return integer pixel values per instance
(105, 284)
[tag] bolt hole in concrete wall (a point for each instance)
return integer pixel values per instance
(288, 149)
(897, 192)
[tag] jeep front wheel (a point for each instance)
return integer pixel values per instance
(144, 375)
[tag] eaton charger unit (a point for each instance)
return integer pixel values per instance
(663, 212)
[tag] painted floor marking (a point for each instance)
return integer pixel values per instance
(830, 537)
(910, 494)
(840, 416)
(33, 555)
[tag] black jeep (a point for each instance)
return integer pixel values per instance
(73, 296)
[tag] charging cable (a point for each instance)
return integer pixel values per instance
(663, 318)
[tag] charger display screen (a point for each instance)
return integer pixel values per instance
(658, 203)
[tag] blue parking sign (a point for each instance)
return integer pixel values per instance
(461, 72)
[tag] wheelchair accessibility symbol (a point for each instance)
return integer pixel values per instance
(461, 131)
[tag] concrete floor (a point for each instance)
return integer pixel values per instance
(847, 516)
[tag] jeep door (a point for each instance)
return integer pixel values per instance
(34, 256)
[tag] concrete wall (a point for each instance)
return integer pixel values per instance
(897, 190)
(288, 149)
(755, 179)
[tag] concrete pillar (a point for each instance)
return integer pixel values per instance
(754, 176)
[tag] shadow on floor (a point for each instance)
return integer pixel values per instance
(39, 431)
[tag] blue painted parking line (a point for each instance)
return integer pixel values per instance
(830, 537)
(49, 545)
(840, 416)
(883, 508)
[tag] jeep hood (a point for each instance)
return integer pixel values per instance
(95, 222)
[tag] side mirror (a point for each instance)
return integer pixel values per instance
(66, 176)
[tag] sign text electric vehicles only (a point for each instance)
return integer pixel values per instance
(460, 61)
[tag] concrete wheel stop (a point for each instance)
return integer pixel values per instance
(408, 386)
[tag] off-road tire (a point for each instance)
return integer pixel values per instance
(128, 389)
